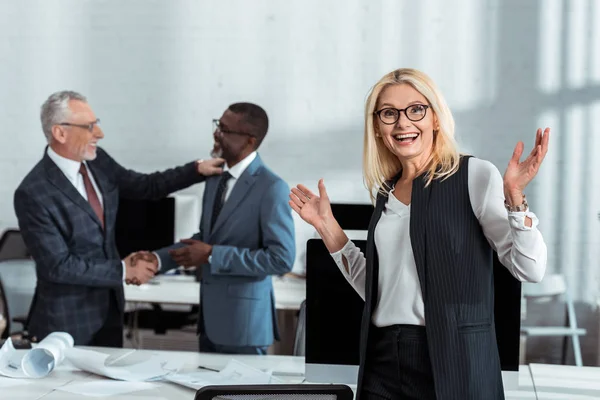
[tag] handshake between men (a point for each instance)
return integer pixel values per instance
(143, 265)
(140, 267)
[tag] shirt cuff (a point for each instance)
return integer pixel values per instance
(124, 270)
(158, 258)
(517, 220)
(344, 250)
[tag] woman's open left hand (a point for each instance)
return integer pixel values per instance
(519, 173)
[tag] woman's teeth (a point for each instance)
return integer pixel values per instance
(406, 137)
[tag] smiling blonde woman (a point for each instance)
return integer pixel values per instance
(427, 276)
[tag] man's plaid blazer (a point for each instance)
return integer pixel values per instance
(77, 263)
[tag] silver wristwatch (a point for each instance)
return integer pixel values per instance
(518, 208)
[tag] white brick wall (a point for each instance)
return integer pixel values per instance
(157, 72)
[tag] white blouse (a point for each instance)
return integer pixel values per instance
(521, 249)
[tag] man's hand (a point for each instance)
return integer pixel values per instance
(138, 270)
(194, 254)
(214, 166)
(144, 256)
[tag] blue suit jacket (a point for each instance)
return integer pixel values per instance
(77, 263)
(252, 239)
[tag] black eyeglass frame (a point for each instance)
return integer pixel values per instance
(404, 110)
(89, 127)
(217, 126)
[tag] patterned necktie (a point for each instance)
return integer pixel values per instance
(219, 198)
(91, 194)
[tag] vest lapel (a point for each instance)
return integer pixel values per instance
(371, 283)
(419, 205)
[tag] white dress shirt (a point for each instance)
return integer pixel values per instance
(70, 168)
(521, 249)
(236, 171)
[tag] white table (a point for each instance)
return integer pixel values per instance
(176, 292)
(64, 374)
(551, 381)
(565, 382)
(184, 290)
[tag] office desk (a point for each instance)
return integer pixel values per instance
(576, 383)
(178, 292)
(65, 374)
(184, 290)
(551, 381)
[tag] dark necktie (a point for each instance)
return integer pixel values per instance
(219, 198)
(91, 194)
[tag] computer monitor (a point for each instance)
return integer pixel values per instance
(334, 311)
(153, 224)
(144, 225)
(333, 318)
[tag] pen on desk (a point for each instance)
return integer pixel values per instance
(208, 369)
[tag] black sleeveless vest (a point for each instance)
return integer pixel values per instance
(455, 269)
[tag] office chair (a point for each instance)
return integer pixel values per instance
(5, 320)
(12, 246)
(275, 392)
(20, 340)
(551, 286)
(19, 281)
(300, 337)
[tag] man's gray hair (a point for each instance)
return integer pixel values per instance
(56, 110)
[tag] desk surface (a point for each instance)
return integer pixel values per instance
(551, 381)
(183, 289)
(66, 374)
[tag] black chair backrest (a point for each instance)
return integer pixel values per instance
(12, 246)
(4, 312)
(279, 392)
(300, 337)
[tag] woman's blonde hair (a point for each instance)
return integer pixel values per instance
(379, 163)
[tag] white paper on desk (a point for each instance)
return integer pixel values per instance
(152, 368)
(234, 373)
(106, 388)
(37, 362)
(8, 382)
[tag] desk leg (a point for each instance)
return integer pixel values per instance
(523, 350)
(133, 332)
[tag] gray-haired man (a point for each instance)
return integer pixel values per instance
(67, 206)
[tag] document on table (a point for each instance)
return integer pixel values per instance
(106, 388)
(8, 382)
(234, 373)
(37, 362)
(130, 366)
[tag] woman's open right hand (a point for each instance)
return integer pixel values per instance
(315, 210)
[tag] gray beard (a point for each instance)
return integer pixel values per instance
(216, 154)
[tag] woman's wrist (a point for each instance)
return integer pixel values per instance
(514, 197)
(332, 234)
(515, 201)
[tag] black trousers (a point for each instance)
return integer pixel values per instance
(111, 333)
(397, 364)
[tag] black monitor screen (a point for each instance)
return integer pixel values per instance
(144, 225)
(507, 314)
(334, 311)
